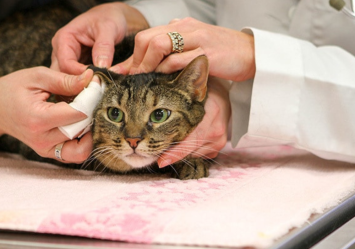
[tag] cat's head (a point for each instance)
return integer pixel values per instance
(140, 116)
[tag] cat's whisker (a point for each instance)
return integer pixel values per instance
(110, 150)
(187, 162)
(98, 152)
(187, 149)
(151, 170)
(102, 166)
(199, 154)
(192, 144)
(101, 151)
(108, 72)
(192, 141)
(212, 160)
(172, 167)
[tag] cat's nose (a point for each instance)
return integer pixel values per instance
(133, 142)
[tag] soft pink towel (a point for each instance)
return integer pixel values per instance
(252, 198)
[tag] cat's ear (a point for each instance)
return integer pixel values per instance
(104, 74)
(194, 77)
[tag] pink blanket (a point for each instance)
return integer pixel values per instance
(252, 198)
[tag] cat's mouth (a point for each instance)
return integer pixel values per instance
(135, 155)
(138, 161)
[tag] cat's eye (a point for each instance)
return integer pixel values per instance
(159, 115)
(115, 114)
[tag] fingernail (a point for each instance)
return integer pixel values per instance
(115, 69)
(96, 79)
(174, 20)
(133, 71)
(82, 76)
(102, 61)
(164, 163)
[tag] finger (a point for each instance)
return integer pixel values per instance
(59, 114)
(194, 149)
(52, 115)
(67, 65)
(123, 67)
(180, 151)
(212, 155)
(160, 48)
(44, 141)
(178, 61)
(141, 43)
(206, 151)
(64, 84)
(104, 46)
(64, 57)
(54, 65)
(74, 151)
(143, 40)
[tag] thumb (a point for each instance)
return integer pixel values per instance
(66, 84)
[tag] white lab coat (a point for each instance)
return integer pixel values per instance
(303, 93)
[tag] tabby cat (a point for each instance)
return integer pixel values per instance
(141, 116)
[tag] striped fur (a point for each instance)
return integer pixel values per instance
(182, 94)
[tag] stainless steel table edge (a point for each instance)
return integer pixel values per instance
(319, 226)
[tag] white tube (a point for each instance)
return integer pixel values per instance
(86, 103)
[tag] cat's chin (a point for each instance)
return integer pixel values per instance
(137, 161)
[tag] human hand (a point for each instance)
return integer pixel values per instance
(210, 136)
(230, 52)
(27, 116)
(100, 28)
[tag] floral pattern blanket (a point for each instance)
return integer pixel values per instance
(252, 198)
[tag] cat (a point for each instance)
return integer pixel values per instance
(141, 116)
(170, 105)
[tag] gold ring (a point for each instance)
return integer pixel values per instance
(177, 42)
(58, 151)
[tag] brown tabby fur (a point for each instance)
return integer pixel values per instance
(137, 96)
(26, 35)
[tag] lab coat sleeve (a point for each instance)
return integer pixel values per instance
(301, 95)
(160, 12)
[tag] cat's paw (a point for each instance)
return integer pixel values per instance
(191, 168)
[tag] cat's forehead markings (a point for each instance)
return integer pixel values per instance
(124, 97)
(114, 100)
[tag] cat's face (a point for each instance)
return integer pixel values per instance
(141, 116)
